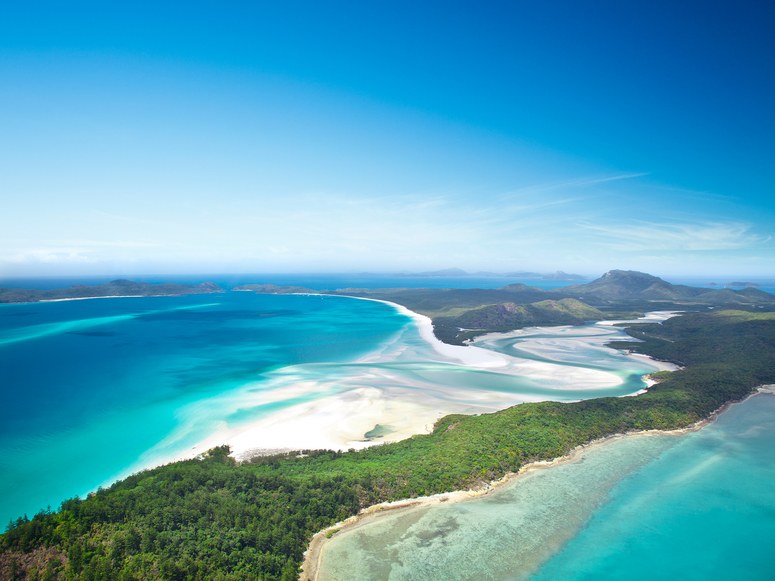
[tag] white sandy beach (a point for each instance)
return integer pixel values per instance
(651, 317)
(407, 385)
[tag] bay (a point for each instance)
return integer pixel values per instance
(90, 386)
(93, 390)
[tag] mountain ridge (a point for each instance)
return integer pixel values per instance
(635, 285)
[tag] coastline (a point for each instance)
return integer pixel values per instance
(88, 298)
(340, 420)
(313, 555)
(466, 354)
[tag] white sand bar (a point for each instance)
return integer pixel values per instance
(407, 384)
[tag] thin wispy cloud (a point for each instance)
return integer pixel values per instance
(687, 237)
(570, 184)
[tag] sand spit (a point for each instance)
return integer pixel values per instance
(403, 387)
(105, 297)
(395, 388)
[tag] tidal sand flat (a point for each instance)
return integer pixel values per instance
(413, 379)
(656, 506)
(94, 390)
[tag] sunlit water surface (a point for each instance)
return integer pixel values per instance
(695, 506)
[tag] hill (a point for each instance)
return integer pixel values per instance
(618, 285)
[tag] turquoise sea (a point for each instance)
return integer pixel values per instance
(695, 506)
(93, 390)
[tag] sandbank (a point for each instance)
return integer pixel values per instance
(102, 297)
(405, 388)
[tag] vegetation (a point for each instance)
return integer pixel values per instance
(214, 519)
(119, 287)
(460, 314)
(461, 324)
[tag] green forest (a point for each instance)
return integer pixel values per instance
(212, 518)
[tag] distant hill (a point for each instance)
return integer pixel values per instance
(447, 272)
(459, 314)
(114, 288)
(459, 272)
(739, 284)
(560, 275)
(617, 285)
(274, 289)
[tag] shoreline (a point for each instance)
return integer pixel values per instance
(333, 415)
(462, 353)
(65, 299)
(88, 298)
(341, 418)
(283, 427)
(313, 555)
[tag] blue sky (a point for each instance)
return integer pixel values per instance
(350, 136)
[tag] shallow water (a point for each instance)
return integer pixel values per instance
(93, 389)
(96, 389)
(697, 506)
(705, 509)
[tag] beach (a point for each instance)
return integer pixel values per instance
(595, 468)
(413, 381)
(368, 515)
(260, 373)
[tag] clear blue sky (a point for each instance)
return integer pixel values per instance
(310, 136)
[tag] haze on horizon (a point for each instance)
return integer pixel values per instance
(347, 137)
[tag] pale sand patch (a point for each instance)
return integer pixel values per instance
(337, 423)
(468, 355)
(105, 297)
(390, 387)
(575, 339)
(660, 365)
(341, 421)
(406, 405)
(651, 317)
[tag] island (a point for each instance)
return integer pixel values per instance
(213, 517)
(114, 288)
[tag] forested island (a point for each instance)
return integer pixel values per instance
(114, 288)
(213, 518)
